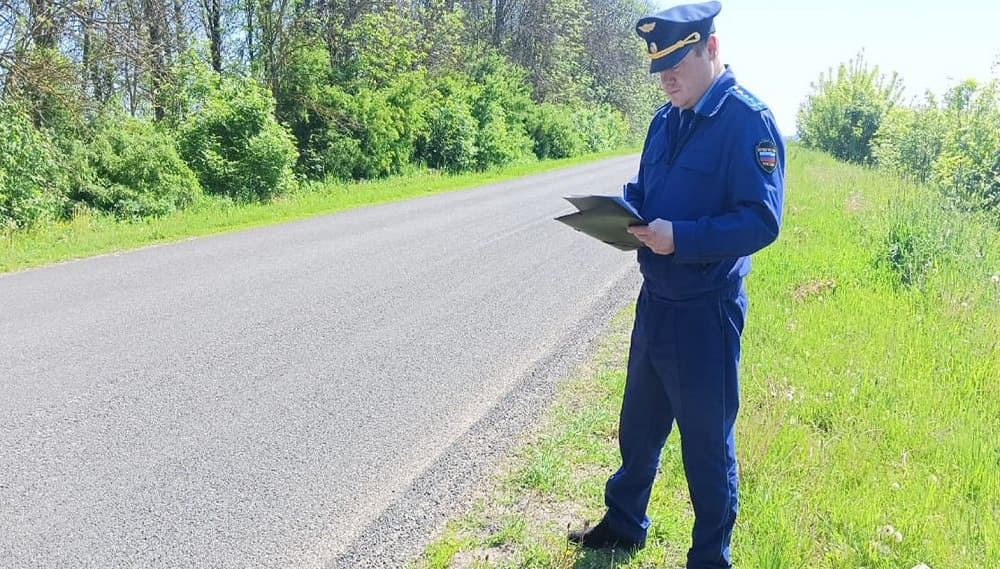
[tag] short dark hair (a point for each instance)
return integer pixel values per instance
(699, 48)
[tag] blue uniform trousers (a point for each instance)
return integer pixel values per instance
(682, 366)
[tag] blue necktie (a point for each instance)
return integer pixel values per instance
(685, 122)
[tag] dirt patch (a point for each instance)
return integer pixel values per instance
(855, 202)
(815, 288)
(480, 557)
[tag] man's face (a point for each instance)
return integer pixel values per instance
(687, 81)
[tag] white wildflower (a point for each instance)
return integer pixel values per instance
(895, 486)
(898, 537)
(995, 279)
(922, 566)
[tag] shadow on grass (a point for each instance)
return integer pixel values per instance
(602, 558)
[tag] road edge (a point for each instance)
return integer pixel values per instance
(401, 531)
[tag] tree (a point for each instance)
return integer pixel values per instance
(846, 108)
(615, 64)
(968, 166)
(547, 40)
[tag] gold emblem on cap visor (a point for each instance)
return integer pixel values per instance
(693, 38)
(646, 28)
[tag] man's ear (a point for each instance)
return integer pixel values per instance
(713, 46)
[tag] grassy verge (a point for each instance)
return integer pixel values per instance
(870, 407)
(88, 235)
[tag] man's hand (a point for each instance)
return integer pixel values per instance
(658, 235)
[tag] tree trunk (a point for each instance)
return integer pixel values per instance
(42, 23)
(151, 11)
(213, 28)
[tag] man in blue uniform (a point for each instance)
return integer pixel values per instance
(710, 186)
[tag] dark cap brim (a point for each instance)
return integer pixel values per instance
(668, 61)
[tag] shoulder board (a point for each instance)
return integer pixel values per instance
(747, 97)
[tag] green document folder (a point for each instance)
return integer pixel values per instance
(605, 218)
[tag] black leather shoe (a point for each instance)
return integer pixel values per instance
(601, 537)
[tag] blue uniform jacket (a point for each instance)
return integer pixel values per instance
(713, 182)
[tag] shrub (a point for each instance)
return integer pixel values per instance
(368, 134)
(501, 102)
(554, 133)
(498, 141)
(30, 188)
(331, 154)
(133, 171)
(235, 145)
(601, 128)
(845, 110)
(378, 126)
(451, 139)
(909, 140)
(968, 166)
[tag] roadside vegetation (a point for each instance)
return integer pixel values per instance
(127, 111)
(949, 141)
(91, 233)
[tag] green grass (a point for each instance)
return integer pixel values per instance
(89, 234)
(869, 431)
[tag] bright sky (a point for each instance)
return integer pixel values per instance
(778, 47)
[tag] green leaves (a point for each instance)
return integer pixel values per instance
(30, 191)
(953, 144)
(235, 145)
(845, 110)
(968, 166)
(133, 170)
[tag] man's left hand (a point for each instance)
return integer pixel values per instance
(658, 235)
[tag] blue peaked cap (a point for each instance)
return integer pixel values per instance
(672, 33)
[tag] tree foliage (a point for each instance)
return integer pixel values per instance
(30, 188)
(968, 166)
(909, 140)
(846, 108)
(235, 145)
(952, 142)
(133, 170)
(139, 107)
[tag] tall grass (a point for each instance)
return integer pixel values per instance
(869, 432)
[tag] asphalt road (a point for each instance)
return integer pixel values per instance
(322, 393)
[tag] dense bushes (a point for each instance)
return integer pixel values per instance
(32, 187)
(601, 127)
(235, 146)
(132, 170)
(451, 137)
(229, 136)
(909, 140)
(845, 110)
(554, 133)
(968, 166)
(952, 143)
